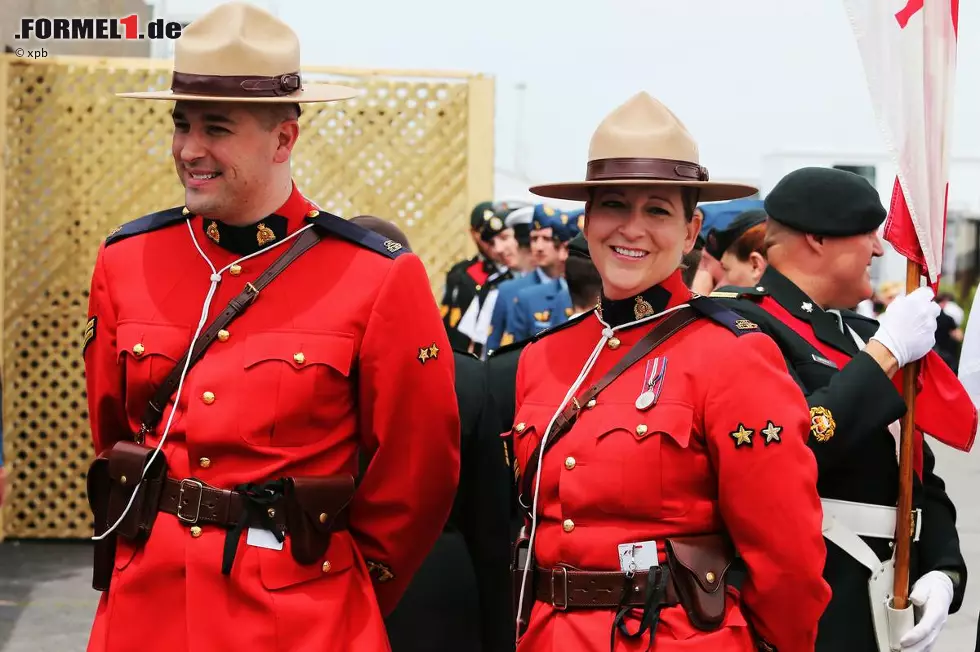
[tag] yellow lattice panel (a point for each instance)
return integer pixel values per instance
(414, 148)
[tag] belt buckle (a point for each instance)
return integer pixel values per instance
(190, 520)
(564, 588)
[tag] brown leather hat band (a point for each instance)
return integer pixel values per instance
(660, 169)
(235, 86)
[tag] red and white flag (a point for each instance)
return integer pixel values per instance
(909, 53)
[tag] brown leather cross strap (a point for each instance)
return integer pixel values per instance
(154, 409)
(657, 336)
(566, 588)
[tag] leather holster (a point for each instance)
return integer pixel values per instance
(699, 566)
(97, 485)
(315, 508)
(520, 551)
(126, 463)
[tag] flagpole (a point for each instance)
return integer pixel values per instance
(904, 525)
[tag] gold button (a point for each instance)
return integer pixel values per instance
(569, 463)
(641, 429)
(223, 335)
(235, 270)
(138, 349)
(185, 211)
(195, 531)
(613, 343)
(520, 427)
(271, 512)
(299, 358)
(590, 404)
(313, 213)
(122, 479)
(204, 462)
(208, 398)
(568, 525)
(326, 567)
(710, 577)
(323, 517)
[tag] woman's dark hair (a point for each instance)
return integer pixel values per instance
(584, 282)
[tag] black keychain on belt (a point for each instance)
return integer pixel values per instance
(653, 602)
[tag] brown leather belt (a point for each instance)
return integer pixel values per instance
(194, 502)
(565, 588)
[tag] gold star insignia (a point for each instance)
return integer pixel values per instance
(742, 436)
(771, 432)
(822, 425)
(433, 351)
(423, 354)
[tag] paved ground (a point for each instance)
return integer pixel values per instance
(46, 600)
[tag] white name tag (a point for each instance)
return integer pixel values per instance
(262, 539)
(640, 556)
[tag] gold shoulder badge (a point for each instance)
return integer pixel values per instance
(392, 246)
(569, 312)
(427, 353)
(724, 295)
(89, 334)
(742, 436)
(454, 316)
(822, 425)
(745, 324)
(506, 339)
(543, 315)
(380, 572)
(443, 310)
(113, 232)
(771, 431)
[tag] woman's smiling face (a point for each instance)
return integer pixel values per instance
(637, 235)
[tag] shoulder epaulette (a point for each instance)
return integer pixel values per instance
(145, 224)
(565, 324)
(368, 239)
(737, 292)
(509, 348)
(718, 313)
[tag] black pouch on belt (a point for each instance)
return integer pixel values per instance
(98, 488)
(699, 565)
(521, 552)
(315, 508)
(126, 463)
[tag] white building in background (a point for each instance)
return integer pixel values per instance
(765, 86)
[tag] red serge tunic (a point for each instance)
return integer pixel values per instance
(343, 352)
(722, 450)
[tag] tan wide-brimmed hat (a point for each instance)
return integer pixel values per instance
(642, 143)
(240, 53)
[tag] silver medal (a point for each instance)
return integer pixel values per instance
(645, 400)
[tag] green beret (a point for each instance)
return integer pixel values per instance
(826, 201)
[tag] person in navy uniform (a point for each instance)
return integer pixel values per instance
(822, 236)
(741, 248)
(547, 236)
(466, 277)
(546, 304)
(460, 598)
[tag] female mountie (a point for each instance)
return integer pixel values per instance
(659, 436)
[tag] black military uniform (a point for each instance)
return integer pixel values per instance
(851, 406)
(464, 280)
(460, 599)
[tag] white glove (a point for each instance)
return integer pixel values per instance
(933, 593)
(908, 327)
